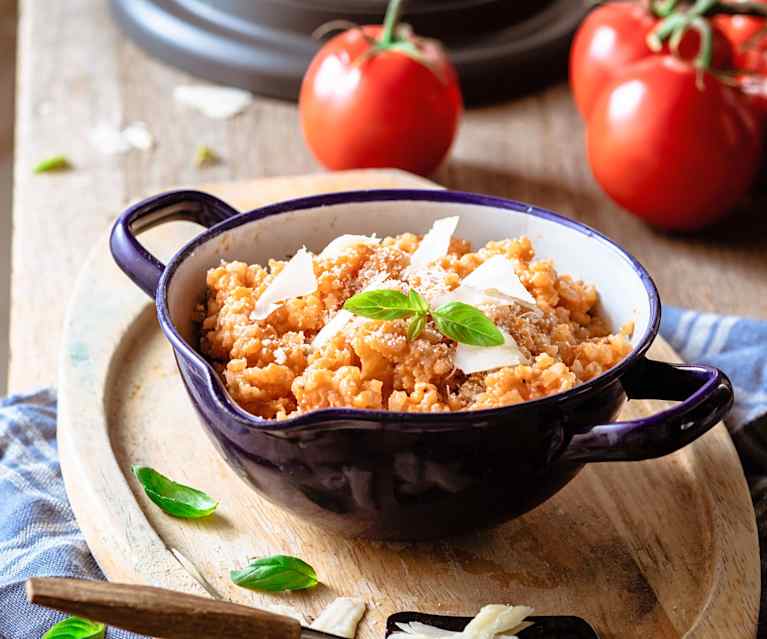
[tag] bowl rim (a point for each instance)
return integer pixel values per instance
(411, 421)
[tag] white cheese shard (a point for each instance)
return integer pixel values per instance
(341, 617)
(343, 317)
(111, 140)
(216, 102)
(496, 619)
(475, 359)
(137, 134)
(434, 244)
(492, 621)
(340, 244)
(294, 280)
(498, 274)
(335, 325)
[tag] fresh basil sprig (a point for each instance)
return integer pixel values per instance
(175, 499)
(76, 628)
(275, 574)
(462, 322)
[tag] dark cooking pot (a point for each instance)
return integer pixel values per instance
(389, 475)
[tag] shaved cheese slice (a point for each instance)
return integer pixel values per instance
(335, 325)
(341, 617)
(475, 359)
(434, 244)
(214, 101)
(493, 621)
(340, 244)
(343, 317)
(294, 280)
(498, 274)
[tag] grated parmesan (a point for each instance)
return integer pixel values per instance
(341, 617)
(475, 359)
(294, 280)
(434, 244)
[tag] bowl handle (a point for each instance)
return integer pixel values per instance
(705, 394)
(131, 256)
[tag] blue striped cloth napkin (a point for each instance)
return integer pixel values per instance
(39, 535)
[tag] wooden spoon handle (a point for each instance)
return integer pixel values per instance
(158, 612)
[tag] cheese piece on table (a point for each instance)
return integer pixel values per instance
(341, 617)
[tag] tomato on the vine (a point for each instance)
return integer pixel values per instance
(743, 32)
(613, 37)
(374, 97)
(673, 144)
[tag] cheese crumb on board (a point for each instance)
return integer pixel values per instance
(434, 244)
(494, 620)
(294, 280)
(475, 359)
(341, 617)
(216, 102)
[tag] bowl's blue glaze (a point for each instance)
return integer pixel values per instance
(389, 475)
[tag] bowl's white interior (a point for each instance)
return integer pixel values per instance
(622, 293)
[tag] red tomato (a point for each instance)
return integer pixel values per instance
(614, 36)
(385, 110)
(741, 31)
(677, 155)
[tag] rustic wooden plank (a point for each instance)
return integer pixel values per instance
(529, 149)
(664, 548)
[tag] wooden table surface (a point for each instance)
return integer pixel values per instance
(76, 70)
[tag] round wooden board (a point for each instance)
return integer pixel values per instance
(663, 548)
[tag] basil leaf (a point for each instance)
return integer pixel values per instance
(466, 324)
(55, 163)
(175, 499)
(380, 305)
(416, 326)
(417, 302)
(275, 574)
(76, 628)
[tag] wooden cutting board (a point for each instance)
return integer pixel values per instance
(661, 549)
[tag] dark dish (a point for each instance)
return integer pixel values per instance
(389, 475)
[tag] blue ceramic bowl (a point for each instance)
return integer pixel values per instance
(389, 475)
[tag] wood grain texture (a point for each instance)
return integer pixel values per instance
(529, 149)
(661, 549)
(157, 611)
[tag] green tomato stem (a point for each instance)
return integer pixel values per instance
(393, 14)
(663, 8)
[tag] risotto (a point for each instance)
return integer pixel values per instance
(284, 346)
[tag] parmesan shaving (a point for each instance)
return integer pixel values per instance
(475, 359)
(493, 621)
(341, 617)
(497, 277)
(434, 244)
(343, 317)
(340, 244)
(294, 280)
(216, 102)
(334, 326)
